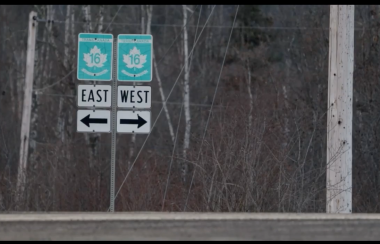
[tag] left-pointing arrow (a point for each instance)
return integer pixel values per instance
(87, 121)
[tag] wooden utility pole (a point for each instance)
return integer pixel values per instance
(27, 106)
(339, 115)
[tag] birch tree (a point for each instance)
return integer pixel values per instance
(133, 137)
(72, 43)
(72, 28)
(67, 38)
(286, 126)
(49, 65)
(8, 58)
(162, 94)
(249, 79)
(44, 56)
(142, 19)
(61, 116)
(186, 94)
(101, 17)
(86, 11)
(91, 139)
(147, 11)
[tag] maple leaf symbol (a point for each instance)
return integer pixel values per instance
(95, 58)
(134, 59)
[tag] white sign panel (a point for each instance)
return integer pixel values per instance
(137, 122)
(94, 121)
(134, 97)
(97, 96)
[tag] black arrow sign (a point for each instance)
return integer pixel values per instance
(87, 121)
(139, 121)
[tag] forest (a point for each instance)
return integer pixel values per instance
(239, 104)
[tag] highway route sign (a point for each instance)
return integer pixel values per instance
(134, 58)
(95, 57)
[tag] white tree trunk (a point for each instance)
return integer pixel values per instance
(249, 80)
(61, 121)
(4, 59)
(133, 136)
(47, 50)
(286, 104)
(20, 85)
(186, 93)
(67, 38)
(86, 11)
(72, 29)
(286, 126)
(142, 19)
(73, 42)
(149, 10)
(42, 81)
(101, 17)
(163, 98)
(144, 11)
(12, 88)
(131, 150)
(52, 38)
(52, 42)
(91, 139)
(2, 206)
(100, 30)
(61, 115)
(209, 39)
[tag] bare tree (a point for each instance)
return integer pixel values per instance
(91, 139)
(149, 10)
(61, 119)
(86, 15)
(142, 13)
(162, 94)
(67, 37)
(100, 18)
(71, 68)
(186, 93)
(163, 98)
(133, 136)
(249, 80)
(44, 62)
(72, 28)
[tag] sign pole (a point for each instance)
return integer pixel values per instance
(99, 57)
(27, 106)
(339, 115)
(113, 129)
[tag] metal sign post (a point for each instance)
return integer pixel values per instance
(113, 130)
(127, 59)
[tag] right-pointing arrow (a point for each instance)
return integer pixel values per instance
(87, 121)
(139, 121)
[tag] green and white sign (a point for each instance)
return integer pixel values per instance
(134, 58)
(95, 56)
